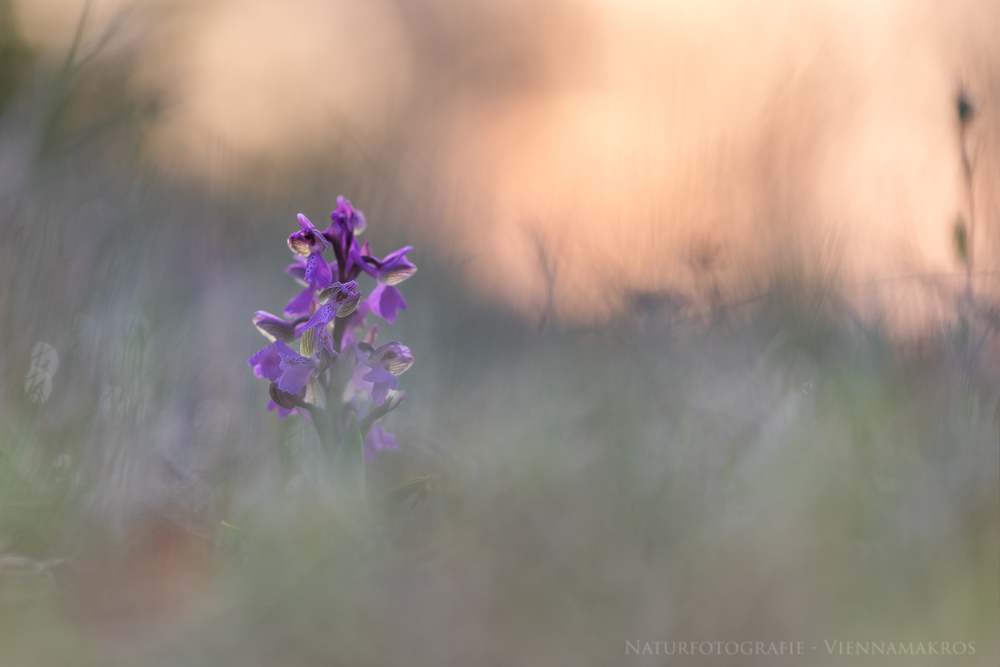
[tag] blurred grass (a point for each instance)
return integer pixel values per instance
(783, 473)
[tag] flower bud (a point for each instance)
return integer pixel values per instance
(347, 218)
(284, 399)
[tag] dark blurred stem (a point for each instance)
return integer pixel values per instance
(339, 327)
(332, 398)
(77, 37)
(971, 242)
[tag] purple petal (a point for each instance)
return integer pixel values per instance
(385, 300)
(372, 335)
(318, 273)
(378, 374)
(323, 316)
(380, 390)
(282, 412)
(295, 376)
(305, 224)
(395, 268)
(356, 378)
(360, 222)
(382, 381)
(297, 269)
(397, 256)
(379, 439)
(266, 363)
(300, 304)
(357, 260)
(297, 369)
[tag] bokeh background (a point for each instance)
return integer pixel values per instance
(706, 329)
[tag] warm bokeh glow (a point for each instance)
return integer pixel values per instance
(590, 150)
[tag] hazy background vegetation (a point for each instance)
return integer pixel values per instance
(698, 356)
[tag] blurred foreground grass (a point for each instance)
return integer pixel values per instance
(789, 475)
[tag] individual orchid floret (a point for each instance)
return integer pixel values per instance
(371, 378)
(274, 327)
(393, 357)
(384, 363)
(345, 221)
(391, 270)
(344, 295)
(308, 240)
(310, 243)
(341, 300)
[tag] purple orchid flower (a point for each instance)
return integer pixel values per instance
(393, 357)
(383, 364)
(308, 315)
(308, 240)
(310, 243)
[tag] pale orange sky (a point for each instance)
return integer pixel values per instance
(819, 131)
